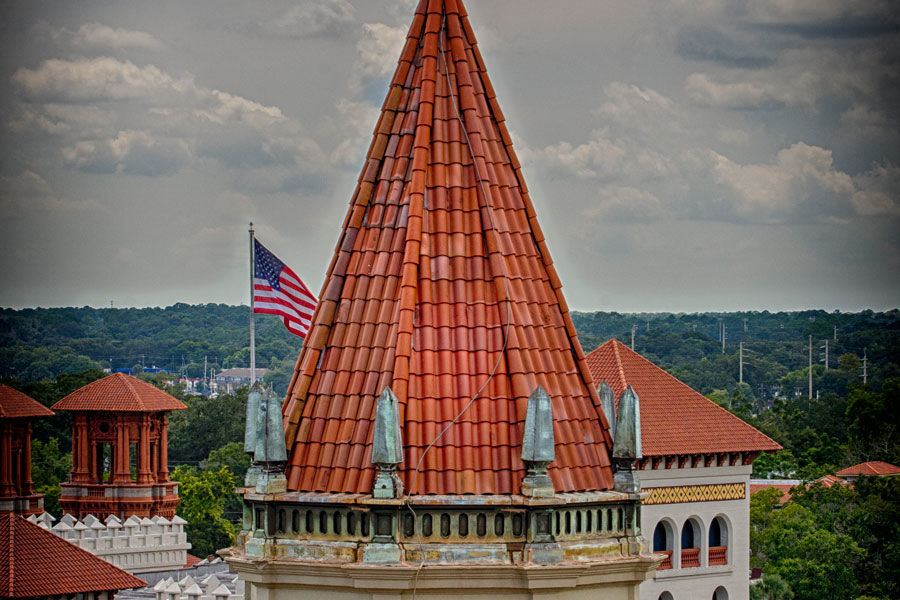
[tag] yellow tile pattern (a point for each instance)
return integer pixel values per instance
(696, 493)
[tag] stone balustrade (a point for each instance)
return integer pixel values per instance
(207, 588)
(137, 545)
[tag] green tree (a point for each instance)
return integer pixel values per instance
(772, 587)
(231, 455)
(207, 424)
(203, 496)
(50, 466)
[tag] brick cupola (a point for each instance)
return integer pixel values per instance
(16, 487)
(119, 449)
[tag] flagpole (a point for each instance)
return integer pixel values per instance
(252, 319)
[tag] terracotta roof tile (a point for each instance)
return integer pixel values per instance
(426, 263)
(25, 570)
(675, 419)
(14, 404)
(875, 467)
(119, 392)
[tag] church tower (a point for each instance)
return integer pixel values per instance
(444, 437)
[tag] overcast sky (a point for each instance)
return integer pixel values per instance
(685, 155)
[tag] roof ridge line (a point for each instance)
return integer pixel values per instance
(409, 279)
(323, 317)
(133, 391)
(535, 228)
(619, 367)
(12, 561)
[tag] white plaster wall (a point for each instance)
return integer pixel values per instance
(700, 583)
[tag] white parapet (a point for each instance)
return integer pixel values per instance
(137, 545)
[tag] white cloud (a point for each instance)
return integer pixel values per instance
(96, 80)
(378, 49)
(800, 176)
(145, 121)
(878, 191)
(311, 18)
(135, 152)
(28, 193)
(96, 35)
(625, 203)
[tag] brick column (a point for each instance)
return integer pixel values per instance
(80, 458)
(27, 483)
(123, 452)
(163, 449)
(6, 484)
(144, 475)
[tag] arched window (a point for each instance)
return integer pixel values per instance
(718, 542)
(662, 543)
(720, 594)
(690, 546)
(666, 596)
(715, 532)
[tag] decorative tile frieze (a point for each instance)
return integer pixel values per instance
(696, 493)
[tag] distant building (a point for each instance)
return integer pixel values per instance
(119, 450)
(34, 563)
(16, 487)
(695, 470)
(230, 379)
(874, 468)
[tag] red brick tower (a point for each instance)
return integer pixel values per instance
(16, 488)
(110, 416)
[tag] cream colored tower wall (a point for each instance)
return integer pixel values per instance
(598, 582)
(700, 583)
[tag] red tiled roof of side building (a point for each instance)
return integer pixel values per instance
(675, 419)
(192, 560)
(757, 485)
(119, 392)
(415, 299)
(14, 404)
(875, 467)
(35, 562)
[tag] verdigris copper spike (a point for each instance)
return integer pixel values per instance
(253, 400)
(627, 444)
(387, 446)
(608, 404)
(276, 452)
(538, 446)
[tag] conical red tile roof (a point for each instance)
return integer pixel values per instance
(119, 392)
(15, 404)
(675, 419)
(415, 299)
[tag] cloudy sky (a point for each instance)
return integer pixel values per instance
(684, 155)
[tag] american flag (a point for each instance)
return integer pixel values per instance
(278, 291)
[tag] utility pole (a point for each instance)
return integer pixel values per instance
(723, 337)
(741, 378)
(633, 330)
(745, 324)
(865, 366)
(835, 334)
(826, 354)
(810, 367)
(204, 369)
